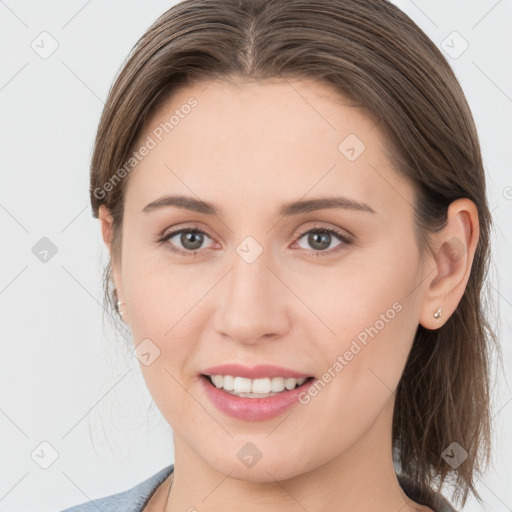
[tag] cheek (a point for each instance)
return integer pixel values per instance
(161, 296)
(164, 322)
(163, 306)
(361, 367)
(374, 316)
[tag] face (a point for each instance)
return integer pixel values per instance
(327, 291)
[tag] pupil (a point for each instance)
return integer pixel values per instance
(323, 239)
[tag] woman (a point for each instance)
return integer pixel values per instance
(293, 197)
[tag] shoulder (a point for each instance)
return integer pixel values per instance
(424, 496)
(131, 500)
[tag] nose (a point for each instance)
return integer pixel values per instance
(252, 303)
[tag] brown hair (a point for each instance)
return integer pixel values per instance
(379, 59)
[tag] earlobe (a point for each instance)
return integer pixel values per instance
(455, 247)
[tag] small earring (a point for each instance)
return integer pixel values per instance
(438, 313)
(118, 307)
(118, 303)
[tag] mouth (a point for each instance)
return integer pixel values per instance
(263, 387)
(254, 393)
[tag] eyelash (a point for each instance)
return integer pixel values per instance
(345, 239)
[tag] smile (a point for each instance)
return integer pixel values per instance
(258, 399)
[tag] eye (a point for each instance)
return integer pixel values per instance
(320, 239)
(189, 239)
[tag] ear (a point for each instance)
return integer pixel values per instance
(454, 249)
(107, 233)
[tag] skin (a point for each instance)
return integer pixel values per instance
(248, 148)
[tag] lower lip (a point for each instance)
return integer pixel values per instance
(253, 409)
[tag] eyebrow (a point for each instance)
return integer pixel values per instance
(289, 209)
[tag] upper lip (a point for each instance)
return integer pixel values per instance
(260, 371)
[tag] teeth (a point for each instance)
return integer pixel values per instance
(228, 383)
(266, 386)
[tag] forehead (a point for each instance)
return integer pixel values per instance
(266, 140)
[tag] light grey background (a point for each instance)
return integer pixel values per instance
(65, 379)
